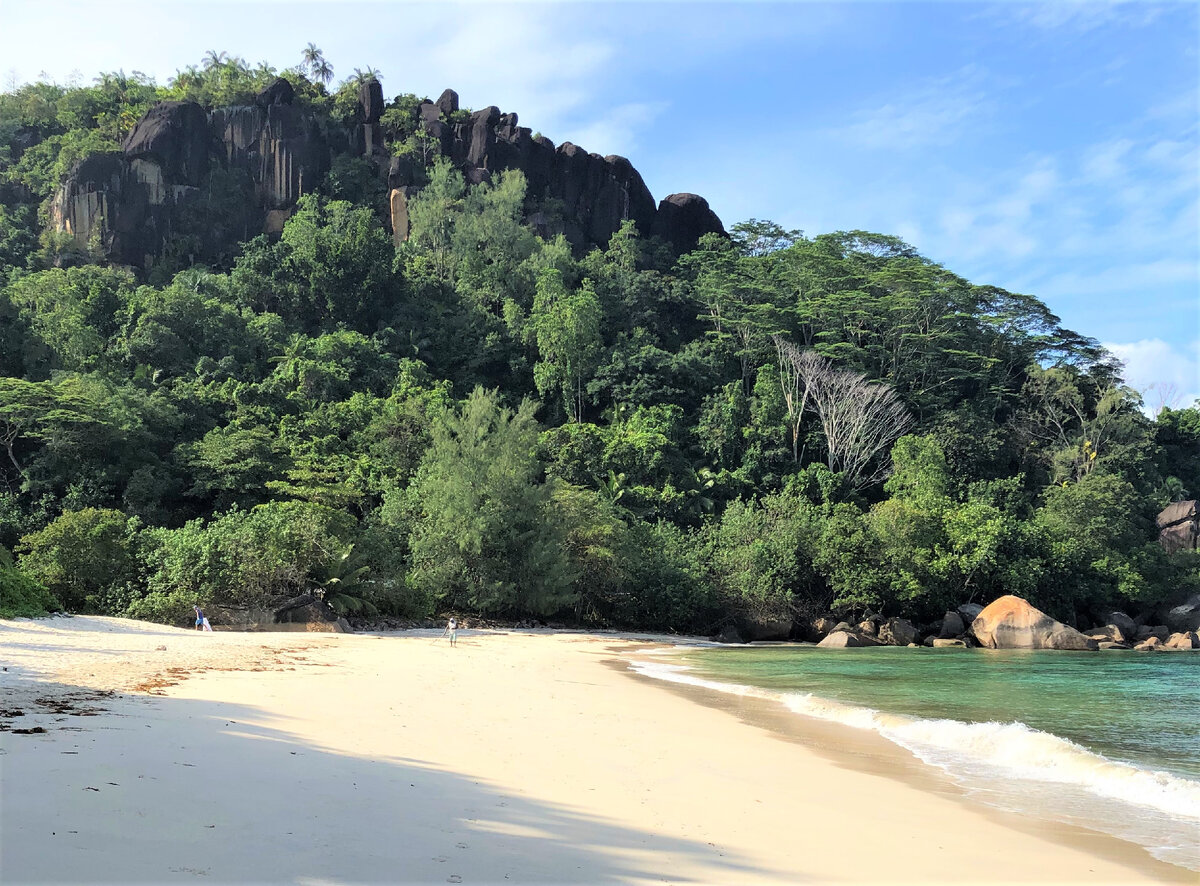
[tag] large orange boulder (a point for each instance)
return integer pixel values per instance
(1012, 623)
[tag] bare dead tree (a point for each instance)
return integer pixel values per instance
(798, 372)
(860, 418)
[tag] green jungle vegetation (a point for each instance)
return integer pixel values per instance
(485, 421)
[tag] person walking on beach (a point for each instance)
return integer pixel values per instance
(451, 630)
(201, 622)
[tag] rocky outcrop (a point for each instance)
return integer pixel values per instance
(948, 643)
(1179, 526)
(175, 137)
(683, 219)
(126, 203)
(447, 102)
(1012, 623)
(596, 194)
(278, 145)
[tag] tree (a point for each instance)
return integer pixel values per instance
(860, 419)
(313, 60)
(57, 411)
(85, 558)
(240, 560)
(567, 326)
(20, 595)
(433, 214)
(486, 536)
(214, 59)
(798, 372)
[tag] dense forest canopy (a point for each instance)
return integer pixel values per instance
(489, 419)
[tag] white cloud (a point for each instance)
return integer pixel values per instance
(618, 130)
(1075, 15)
(932, 113)
(1164, 374)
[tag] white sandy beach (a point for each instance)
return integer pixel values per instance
(515, 757)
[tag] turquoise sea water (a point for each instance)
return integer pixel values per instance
(1109, 741)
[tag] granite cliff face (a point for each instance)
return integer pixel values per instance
(128, 203)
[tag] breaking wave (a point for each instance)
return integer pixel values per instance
(1016, 767)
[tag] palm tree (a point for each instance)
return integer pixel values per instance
(366, 75)
(341, 582)
(313, 60)
(214, 59)
(323, 71)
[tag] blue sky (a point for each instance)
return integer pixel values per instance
(1052, 149)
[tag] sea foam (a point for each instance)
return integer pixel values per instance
(1013, 765)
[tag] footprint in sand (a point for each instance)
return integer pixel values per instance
(454, 878)
(461, 845)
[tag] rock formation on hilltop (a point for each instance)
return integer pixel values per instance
(263, 157)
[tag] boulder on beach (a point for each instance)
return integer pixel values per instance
(1148, 645)
(822, 626)
(1112, 644)
(952, 626)
(1184, 616)
(847, 640)
(1012, 623)
(1145, 632)
(968, 612)
(1182, 640)
(897, 632)
(948, 642)
(1126, 625)
(1110, 633)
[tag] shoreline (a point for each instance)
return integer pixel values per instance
(517, 757)
(867, 751)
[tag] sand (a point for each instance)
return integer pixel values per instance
(173, 756)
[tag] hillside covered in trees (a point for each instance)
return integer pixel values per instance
(431, 373)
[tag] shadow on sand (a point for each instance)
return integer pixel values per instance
(161, 789)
